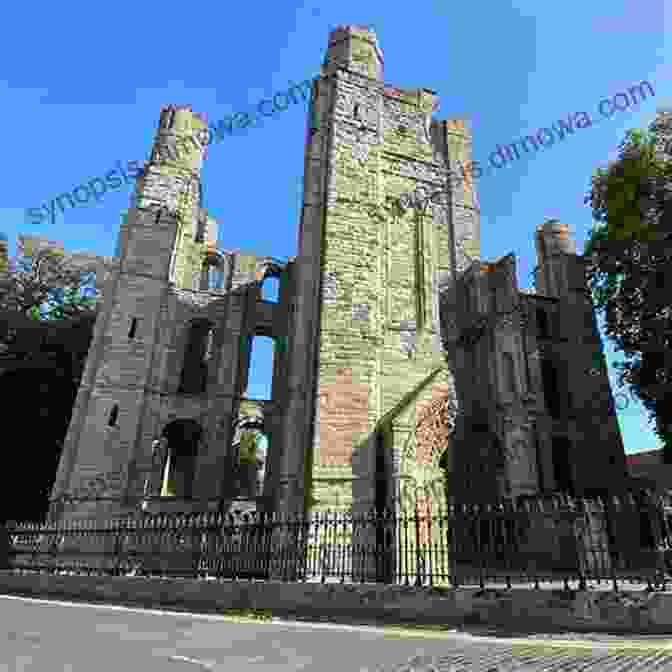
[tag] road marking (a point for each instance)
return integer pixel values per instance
(209, 665)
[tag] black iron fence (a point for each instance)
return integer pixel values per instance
(532, 541)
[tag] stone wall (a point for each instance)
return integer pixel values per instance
(517, 610)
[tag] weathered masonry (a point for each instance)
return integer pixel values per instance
(402, 366)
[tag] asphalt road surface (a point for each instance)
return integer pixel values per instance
(44, 636)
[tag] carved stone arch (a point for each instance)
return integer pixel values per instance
(422, 472)
(434, 426)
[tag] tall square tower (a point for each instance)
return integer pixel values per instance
(369, 374)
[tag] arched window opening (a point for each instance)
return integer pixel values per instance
(215, 277)
(199, 234)
(270, 289)
(134, 328)
(198, 351)
(540, 464)
(183, 437)
(549, 375)
(510, 374)
(114, 414)
(542, 323)
(260, 372)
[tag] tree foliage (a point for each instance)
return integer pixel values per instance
(248, 447)
(43, 282)
(629, 252)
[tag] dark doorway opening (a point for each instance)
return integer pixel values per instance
(384, 538)
(183, 438)
(562, 468)
(550, 381)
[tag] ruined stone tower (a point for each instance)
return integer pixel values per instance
(392, 366)
(370, 271)
(535, 419)
(161, 248)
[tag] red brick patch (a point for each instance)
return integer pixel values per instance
(344, 409)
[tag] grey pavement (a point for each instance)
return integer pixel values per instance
(46, 636)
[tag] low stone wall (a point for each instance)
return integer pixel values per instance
(518, 609)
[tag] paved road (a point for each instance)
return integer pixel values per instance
(42, 636)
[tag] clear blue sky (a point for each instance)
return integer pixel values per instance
(83, 86)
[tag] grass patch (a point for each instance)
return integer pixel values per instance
(442, 589)
(256, 614)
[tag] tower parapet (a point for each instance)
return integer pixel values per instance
(354, 48)
(167, 213)
(4, 253)
(173, 171)
(553, 242)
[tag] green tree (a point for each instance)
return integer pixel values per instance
(38, 277)
(41, 283)
(629, 252)
(69, 302)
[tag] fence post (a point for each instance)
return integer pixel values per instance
(654, 506)
(5, 547)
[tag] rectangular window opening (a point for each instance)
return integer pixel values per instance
(260, 372)
(114, 414)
